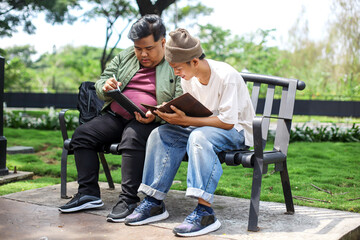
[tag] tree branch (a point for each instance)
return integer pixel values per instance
(146, 6)
(161, 5)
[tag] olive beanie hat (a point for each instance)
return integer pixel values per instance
(182, 47)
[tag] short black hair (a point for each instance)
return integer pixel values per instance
(148, 24)
(200, 58)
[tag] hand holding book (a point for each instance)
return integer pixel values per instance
(186, 103)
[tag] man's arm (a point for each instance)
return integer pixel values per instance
(179, 118)
(106, 75)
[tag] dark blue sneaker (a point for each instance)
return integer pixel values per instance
(81, 202)
(199, 222)
(147, 212)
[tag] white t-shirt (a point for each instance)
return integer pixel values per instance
(226, 95)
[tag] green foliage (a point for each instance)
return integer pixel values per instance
(249, 53)
(62, 71)
(21, 13)
(47, 121)
(330, 67)
(111, 11)
(325, 133)
(184, 13)
(76, 65)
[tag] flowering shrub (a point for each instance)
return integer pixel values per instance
(325, 134)
(47, 121)
(50, 121)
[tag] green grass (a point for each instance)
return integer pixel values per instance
(333, 167)
(325, 119)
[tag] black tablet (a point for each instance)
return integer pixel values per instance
(125, 102)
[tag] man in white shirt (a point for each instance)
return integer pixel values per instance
(220, 88)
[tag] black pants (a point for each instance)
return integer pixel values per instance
(90, 137)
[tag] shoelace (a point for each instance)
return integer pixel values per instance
(75, 198)
(144, 205)
(120, 201)
(195, 215)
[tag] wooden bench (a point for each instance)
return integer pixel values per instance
(256, 158)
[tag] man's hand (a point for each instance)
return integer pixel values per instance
(149, 117)
(111, 84)
(177, 118)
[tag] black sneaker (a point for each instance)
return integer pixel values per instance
(120, 211)
(80, 202)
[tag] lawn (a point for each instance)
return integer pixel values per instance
(322, 174)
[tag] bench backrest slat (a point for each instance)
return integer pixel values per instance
(270, 92)
(282, 135)
(255, 94)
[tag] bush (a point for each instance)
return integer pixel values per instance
(325, 133)
(49, 120)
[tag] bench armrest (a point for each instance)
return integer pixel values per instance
(63, 124)
(259, 142)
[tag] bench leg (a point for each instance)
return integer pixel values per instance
(106, 170)
(63, 173)
(255, 196)
(285, 181)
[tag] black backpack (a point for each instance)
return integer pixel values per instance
(88, 104)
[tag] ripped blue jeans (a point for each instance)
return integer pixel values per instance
(166, 148)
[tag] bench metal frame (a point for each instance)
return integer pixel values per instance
(257, 158)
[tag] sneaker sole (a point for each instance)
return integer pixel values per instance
(120, 220)
(211, 228)
(88, 205)
(156, 218)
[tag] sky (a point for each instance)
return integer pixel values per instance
(239, 16)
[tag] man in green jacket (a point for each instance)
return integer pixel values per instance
(145, 77)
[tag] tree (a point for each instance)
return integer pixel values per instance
(248, 52)
(112, 11)
(307, 60)
(18, 72)
(330, 66)
(66, 68)
(344, 45)
(191, 13)
(20, 13)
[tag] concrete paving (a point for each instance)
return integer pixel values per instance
(19, 149)
(15, 176)
(33, 214)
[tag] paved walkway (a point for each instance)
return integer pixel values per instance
(33, 215)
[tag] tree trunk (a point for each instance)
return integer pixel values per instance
(146, 6)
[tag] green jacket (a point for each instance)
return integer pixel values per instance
(125, 66)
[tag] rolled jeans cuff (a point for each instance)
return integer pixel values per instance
(198, 193)
(151, 192)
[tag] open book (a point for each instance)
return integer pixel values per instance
(186, 103)
(125, 102)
